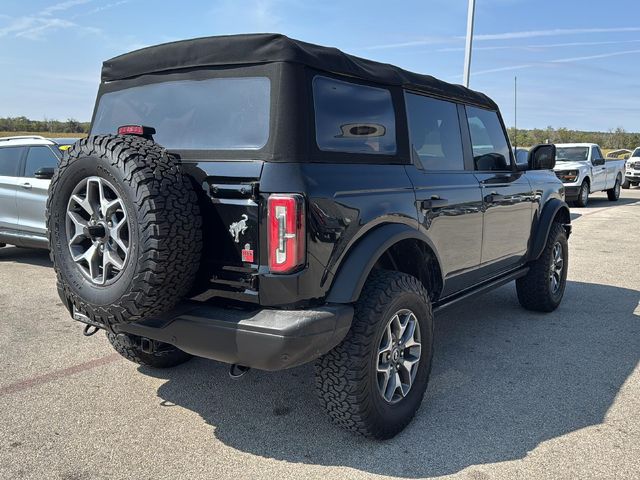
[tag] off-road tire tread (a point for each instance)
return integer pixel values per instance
(170, 228)
(167, 359)
(340, 374)
(533, 289)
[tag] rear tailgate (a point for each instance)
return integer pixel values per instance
(231, 213)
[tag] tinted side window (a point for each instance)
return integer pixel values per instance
(353, 118)
(37, 158)
(490, 146)
(596, 154)
(10, 161)
(434, 131)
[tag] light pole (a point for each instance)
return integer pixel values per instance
(469, 42)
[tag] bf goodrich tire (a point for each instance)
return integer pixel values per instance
(374, 381)
(583, 195)
(613, 194)
(124, 229)
(163, 356)
(542, 288)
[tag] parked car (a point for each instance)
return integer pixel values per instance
(64, 143)
(27, 164)
(584, 170)
(267, 202)
(632, 170)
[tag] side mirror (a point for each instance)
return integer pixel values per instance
(44, 173)
(598, 161)
(542, 157)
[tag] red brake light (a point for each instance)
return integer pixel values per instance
(139, 130)
(130, 130)
(286, 233)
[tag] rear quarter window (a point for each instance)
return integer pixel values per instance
(353, 118)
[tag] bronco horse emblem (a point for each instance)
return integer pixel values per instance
(238, 228)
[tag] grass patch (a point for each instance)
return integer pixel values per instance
(44, 134)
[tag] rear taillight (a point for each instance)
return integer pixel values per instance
(286, 233)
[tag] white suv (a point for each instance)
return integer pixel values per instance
(26, 167)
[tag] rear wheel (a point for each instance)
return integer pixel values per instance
(374, 381)
(583, 195)
(613, 194)
(542, 288)
(158, 355)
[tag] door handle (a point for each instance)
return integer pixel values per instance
(434, 202)
(26, 186)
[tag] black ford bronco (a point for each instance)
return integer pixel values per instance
(266, 202)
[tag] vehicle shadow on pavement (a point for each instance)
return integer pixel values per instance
(600, 202)
(504, 380)
(29, 256)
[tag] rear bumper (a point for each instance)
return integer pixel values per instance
(265, 339)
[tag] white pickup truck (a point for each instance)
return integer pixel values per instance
(632, 175)
(583, 170)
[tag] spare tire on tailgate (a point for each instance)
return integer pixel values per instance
(124, 229)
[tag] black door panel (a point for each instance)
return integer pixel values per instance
(450, 214)
(507, 200)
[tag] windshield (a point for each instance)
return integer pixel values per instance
(636, 153)
(212, 114)
(572, 154)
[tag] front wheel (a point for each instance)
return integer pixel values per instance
(626, 184)
(542, 288)
(613, 194)
(374, 381)
(583, 195)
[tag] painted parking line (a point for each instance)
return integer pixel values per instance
(57, 374)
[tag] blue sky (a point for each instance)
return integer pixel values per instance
(577, 62)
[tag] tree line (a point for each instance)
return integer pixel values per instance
(23, 124)
(613, 139)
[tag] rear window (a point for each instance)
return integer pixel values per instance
(353, 118)
(212, 114)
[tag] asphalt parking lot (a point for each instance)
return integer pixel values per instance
(513, 394)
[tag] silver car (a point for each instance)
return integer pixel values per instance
(26, 167)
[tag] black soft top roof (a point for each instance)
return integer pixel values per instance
(267, 48)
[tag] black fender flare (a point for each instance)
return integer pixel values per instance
(543, 226)
(360, 259)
